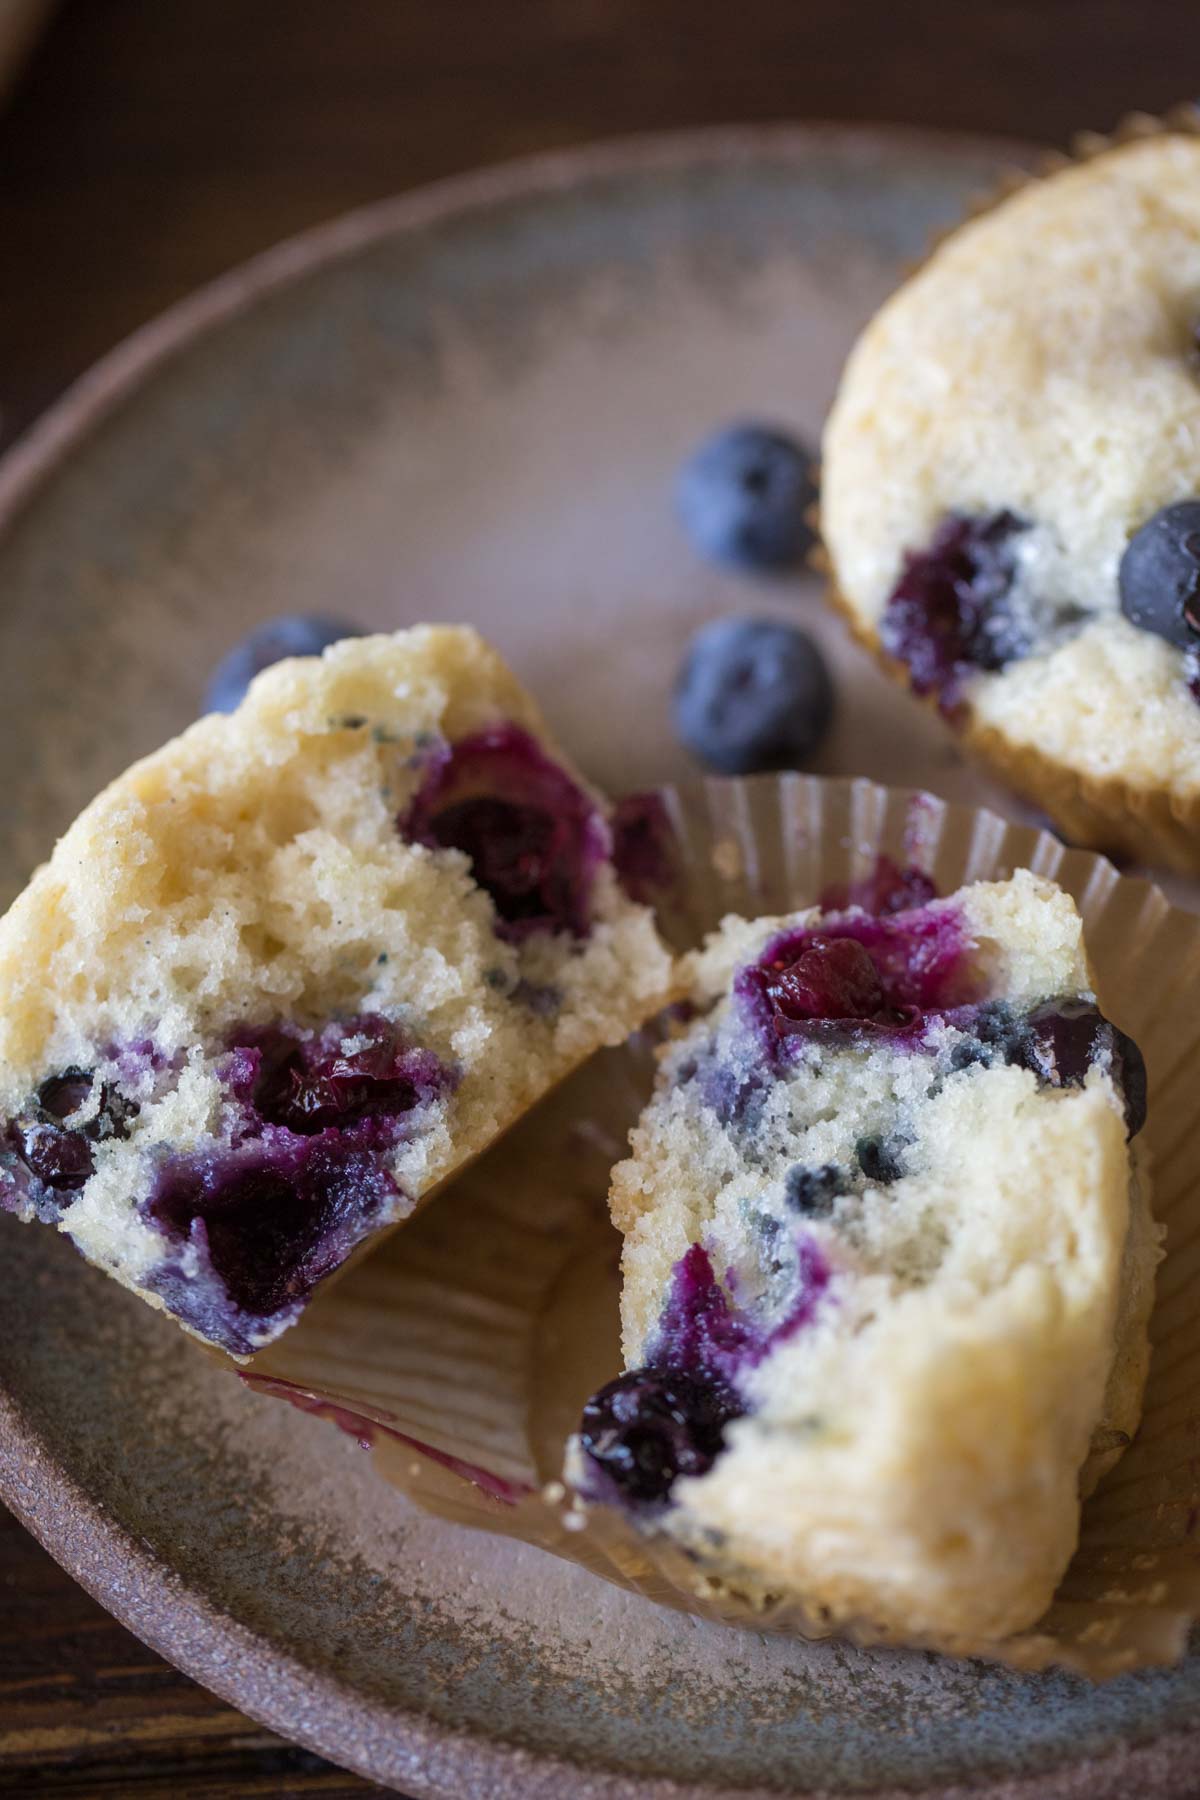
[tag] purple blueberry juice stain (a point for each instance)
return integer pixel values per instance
(703, 1332)
(645, 849)
(653, 1424)
(735, 1094)
(366, 1430)
(699, 1331)
(951, 613)
(256, 1227)
(534, 838)
(254, 1231)
(887, 889)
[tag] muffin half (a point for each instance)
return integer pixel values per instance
(887, 1265)
(285, 976)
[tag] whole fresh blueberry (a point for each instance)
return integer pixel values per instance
(1160, 575)
(293, 634)
(743, 496)
(752, 694)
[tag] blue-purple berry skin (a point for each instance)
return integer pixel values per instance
(1058, 1041)
(534, 839)
(1159, 576)
(294, 634)
(252, 1231)
(57, 1156)
(752, 695)
(649, 1426)
(949, 613)
(813, 1192)
(743, 497)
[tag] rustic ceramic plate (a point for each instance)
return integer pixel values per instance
(469, 404)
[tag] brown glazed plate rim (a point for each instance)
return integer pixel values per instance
(388, 1743)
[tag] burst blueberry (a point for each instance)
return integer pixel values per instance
(880, 1158)
(650, 1426)
(831, 978)
(291, 635)
(254, 1232)
(951, 611)
(1058, 1041)
(534, 839)
(1068, 1036)
(59, 1155)
(744, 497)
(752, 695)
(361, 1069)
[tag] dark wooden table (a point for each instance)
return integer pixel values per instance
(154, 143)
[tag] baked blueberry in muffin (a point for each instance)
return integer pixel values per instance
(887, 1264)
(285, 976)
(1011, 493)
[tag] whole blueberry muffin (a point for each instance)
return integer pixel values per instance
(1011, 492)
(887, 1265)
(285, 976)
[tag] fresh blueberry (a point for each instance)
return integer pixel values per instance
(1159, 575)
(812, 1192)
(291, 635)
(743, 497)
(950, 613)
(752, 694)
(650, 1426)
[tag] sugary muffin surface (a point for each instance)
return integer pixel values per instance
(1007, 424)
(887, 1265)
(284, 976)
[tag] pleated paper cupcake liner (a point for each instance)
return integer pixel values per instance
(462, 1351)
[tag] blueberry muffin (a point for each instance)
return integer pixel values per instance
(1011, 493)
(887, 1265)
(285, 976)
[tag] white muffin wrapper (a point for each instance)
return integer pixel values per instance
(463, 1349)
